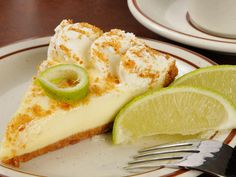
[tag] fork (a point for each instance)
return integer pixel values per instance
(210, 156)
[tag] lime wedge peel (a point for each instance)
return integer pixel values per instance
(215, 68)
(173, 110)
(51, 78)
(220, 78)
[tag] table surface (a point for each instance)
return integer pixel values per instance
(22, 19)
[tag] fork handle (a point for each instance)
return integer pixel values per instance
(229, 170)
(210, 175)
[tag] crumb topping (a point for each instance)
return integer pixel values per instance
(37, 111)
(143, 66)
(78, 30)
(65, 23)
(105, 85)
(65, 50)
(129, 64)
(100, 56)
(113, 43)
(82, 29)
(64, 37)
(114, 50)
(93, 28)
(107, 50)
(68, 43)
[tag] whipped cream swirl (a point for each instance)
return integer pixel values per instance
(108, 49)
(71, 42)
(143, 67)
(114, 54)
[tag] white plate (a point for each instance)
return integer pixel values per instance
(93, 157)
(169, 18)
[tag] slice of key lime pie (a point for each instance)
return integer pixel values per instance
(87, 77)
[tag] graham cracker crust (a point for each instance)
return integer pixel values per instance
(171, 73)
(15, 161)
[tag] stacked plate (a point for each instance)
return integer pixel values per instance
(170, 19)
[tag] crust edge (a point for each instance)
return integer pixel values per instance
(171, 74)
(15, 161)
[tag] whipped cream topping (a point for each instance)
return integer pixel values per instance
(113, 54)
(71, 42)
(135, 66)
(142, 67)
(107, 50)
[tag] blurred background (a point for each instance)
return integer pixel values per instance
(23, 19)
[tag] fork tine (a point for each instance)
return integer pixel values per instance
(208, 156)
(166, 146)
(146, 167)
(142, 167)
(154, 159)
(151, 153)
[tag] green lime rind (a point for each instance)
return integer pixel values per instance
(202, 70)
(117, 137)
(48, 78)
(221, 78)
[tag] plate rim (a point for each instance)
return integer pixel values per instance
(44, 42)
(188, 39)
(40, 42)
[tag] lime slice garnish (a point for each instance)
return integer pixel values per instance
(179, 110)
(65, 82)
(220, 78)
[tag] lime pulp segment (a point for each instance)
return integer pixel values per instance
(180, 110)
(220, 78)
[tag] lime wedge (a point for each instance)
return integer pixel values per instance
(179, 110)
(220, 78)
(65, 82)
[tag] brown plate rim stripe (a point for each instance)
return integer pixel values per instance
(159, 168)
(154, 40)
(227, 140)
(19, 171)
(182, 48)
(45, 45)
(230, 137)
(176, 173)
(22, 50)
(170, 29)
(182, 171)
(190, 21)
(212, 136)
(182, 59)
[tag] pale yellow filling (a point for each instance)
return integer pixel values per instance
(41, 132)
(41, 121)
